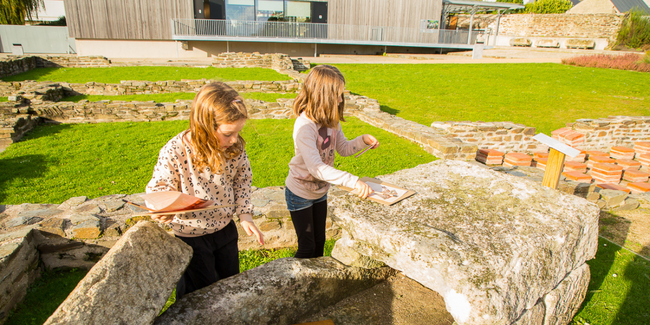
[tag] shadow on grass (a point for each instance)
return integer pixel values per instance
(636, 308)
(18, 169)
(600, 266)
(35, 74)
(389, 110)
(46, 129)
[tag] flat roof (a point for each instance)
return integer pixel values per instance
(483, 4)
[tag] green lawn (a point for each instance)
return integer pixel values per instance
(116, 74)
(544, 96)
(619, 290)
(172, 97)
(109, 158)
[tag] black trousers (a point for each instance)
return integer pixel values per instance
(215, 257)
(310, 228)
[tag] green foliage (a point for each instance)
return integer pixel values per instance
(59, 22)
(521, 2)
(635, 30)
(117, 74)
(619, 289)
(3, 99)
(548, 7)
(44, 297)
(646, 57)
(545, 96)
(172, 97)
(14, 12)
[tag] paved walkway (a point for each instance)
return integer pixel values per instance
(494, 55)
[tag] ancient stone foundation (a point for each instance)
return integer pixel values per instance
(498, 248)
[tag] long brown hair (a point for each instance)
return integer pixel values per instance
(319, 96)
(215, 104)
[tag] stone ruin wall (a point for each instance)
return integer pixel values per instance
(12, 65)
(600, 134)
(589, 26)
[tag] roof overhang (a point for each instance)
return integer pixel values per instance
(466, 5)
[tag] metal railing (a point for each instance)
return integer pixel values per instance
(212, 28)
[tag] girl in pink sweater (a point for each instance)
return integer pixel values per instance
(209, 161)
(316, 135)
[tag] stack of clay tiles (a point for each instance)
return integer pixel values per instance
(517, 159)
(540, 159)
(642, 150)
(593, 160)
(621, 153)
(569, 137)
(489, 156)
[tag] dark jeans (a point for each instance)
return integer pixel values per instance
(310, 228)
(215, 256)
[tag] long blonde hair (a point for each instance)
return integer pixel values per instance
(319, 96)
(215, 104)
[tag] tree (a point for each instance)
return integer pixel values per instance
(14, 12)
(548, 6)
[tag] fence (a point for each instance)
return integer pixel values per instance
(215, 29)
(36, 40)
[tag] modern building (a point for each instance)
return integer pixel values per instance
(200, 28)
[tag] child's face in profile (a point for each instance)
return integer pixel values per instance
(228, 133)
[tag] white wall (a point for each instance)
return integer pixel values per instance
(52, 11)
(137, 49)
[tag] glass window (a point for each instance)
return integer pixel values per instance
(270, 10)
(298, 11)
(240, 9)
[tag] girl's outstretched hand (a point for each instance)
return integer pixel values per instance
(363, 189)
(250, 229)
(164, 218)
(370, 140)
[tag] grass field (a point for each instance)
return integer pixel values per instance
(116, 74)
(109, 158)
(544, 96)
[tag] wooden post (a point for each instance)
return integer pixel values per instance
(555, 162)
(554, 167)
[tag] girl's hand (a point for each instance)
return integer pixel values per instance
(363, 189)
(250, 229)
(369, 139)
(164, 218)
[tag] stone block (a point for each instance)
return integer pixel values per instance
(278, 292)
(579, 44)
(450, 237)
(131, 283)
(523, 42)
(613, 198)
(548, 43)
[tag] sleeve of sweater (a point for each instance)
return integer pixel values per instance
(306, 138)
(165, 172)
(242, 185)
(347, 148)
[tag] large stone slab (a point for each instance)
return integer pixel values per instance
(278, 292)
(131, 283)
(491, 244)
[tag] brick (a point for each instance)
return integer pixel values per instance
(577, 176)
(616, 187)
(639, 187)
(628, 164)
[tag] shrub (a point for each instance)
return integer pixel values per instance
(629, 61)
(548, 7)
(635, 30)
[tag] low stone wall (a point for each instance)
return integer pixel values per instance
(19, 261)
(12, 65)
(276, 61)
(502, 136)
(600, 134)
(132, 87)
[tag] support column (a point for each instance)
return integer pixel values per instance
(496, 34)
